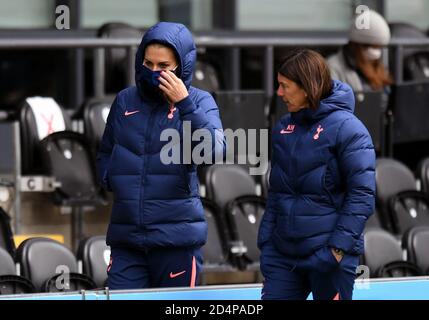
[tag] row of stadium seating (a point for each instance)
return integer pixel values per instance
(234, 203)
(45, 265)
(387, 256)
(402, 200)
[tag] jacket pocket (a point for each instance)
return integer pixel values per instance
(325, 260)
(185, 178)
(325, 186)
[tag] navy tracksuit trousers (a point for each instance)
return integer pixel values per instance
(159, 267)
(293, 278)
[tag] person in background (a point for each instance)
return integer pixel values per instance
(359, 62)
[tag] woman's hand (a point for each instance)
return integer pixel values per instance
(172, 86)
(337, 256)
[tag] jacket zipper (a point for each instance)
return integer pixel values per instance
(293, 166)
(144, 166)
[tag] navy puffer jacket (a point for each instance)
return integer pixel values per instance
(322, 181)
(156, 205)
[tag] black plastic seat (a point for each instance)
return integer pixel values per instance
(226, 182)
(117, 62)
(64, 154)
(6, 235)
(50, 148)
(216, 254)
(51, 266)
(408, 102)
(399, 269)
(94, 254)
(10, 283)
(392, 177)
(416, 60)
(54, 150)
(7, 265)
(370, 109)
(234, 191)
(95, 112)
(423, 174)
(409, 209)
(374, 220)
(244, 215)
(383, 255)
(205, 77)
(243, 110)
(278, 109)
(51, 118)
(416, 242)
(265, 181)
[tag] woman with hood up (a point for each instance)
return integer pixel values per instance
(157, 224)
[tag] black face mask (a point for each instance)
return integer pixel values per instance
(149, 83)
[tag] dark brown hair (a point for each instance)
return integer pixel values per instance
(373, 71)
(309, 70)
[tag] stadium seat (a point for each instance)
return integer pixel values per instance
(234, 191)
(374, 220)
(6, 235)
(370, 108)
(409, 103)
(383, 255)
(39, 117)
(423, 174)
(94, 254)
(216, 255)
(416, 243)
(243, 110)
(415, 60)
(95, 112)
(7, 266)
(405, 30)
(225, 182)
(403, 206)
(50, 148)
(278, 109)
(417, 66)
(392, 177)
(64, 154)
(48, 264)
(244, 215)
(205, 77)
(116, 58)
(10, 283)
(409, 209)
(265, 181)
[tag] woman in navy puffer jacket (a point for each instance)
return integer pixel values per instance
(157, 224)
(322, 186)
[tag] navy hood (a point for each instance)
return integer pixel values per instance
(340, 98)
(175, 36)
